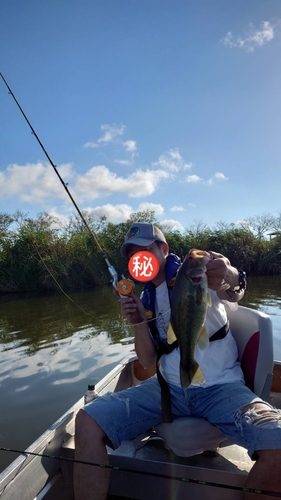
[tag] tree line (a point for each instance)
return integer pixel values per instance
(44, 254)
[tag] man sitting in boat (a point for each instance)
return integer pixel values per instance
(222, 398)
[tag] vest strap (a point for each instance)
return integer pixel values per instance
(221, 333)
(167, 417)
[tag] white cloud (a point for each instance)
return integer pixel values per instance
(121, 212)
(266, 34)
(193, 179)
(100, 181)
(130, 146)
(253, 39)
(123, 162)
(113, 213)
(38, 183)
(172, 161)
(34, 183)
(174, 153)
(171, 225)
(90, 144)
(116, 213)
(62, 220)
(177, 208)
(243, 222)
(220, 176)
(154, 207)
(188, 166)
(110, 132)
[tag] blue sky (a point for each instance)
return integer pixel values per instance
(170, 105)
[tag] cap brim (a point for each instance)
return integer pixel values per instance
(141, 242)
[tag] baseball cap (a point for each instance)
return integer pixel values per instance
(141, 234)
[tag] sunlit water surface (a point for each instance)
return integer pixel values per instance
(51, 347)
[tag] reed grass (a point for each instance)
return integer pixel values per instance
(39, 255)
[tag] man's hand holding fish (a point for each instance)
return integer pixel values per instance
(223, 278)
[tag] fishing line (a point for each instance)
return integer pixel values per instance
(151, 319)
(274, 494)
(51, 274)
(111, 269)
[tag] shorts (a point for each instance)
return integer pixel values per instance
(127, 414)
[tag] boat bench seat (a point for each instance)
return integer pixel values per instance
(252, 331)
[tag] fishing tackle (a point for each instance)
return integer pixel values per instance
(124, 286)
(153, 474)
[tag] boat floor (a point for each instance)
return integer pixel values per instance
(154, 471)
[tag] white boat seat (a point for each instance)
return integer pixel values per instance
(252, 331)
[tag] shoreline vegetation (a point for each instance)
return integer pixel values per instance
(44, 254)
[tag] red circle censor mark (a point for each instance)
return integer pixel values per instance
(143, 266)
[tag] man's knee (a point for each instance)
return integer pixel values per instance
(262, 415)
(87, 428)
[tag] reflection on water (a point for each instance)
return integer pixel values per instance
(264, 293)
(51, 348)
(34, 323)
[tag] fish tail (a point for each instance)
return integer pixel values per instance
(193, 374)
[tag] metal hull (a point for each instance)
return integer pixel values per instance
(150, 472)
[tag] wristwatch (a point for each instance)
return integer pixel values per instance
(242, 281)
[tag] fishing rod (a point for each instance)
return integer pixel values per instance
(243, 489)
(124, 286)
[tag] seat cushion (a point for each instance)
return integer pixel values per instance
(190, 436)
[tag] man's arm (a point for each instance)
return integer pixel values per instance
(133, 310)
(220, 273)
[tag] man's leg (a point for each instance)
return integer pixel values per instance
(265, 475)
(90, 482)
(122, 415)
(255, 425)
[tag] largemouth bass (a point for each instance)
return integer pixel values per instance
(188, 312)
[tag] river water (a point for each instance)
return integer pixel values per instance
(53, 346)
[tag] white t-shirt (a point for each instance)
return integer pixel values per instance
(218, 362)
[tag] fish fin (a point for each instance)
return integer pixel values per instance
(209, 300)
(203, 339)
(172, 282)
(195, 375)
(171, 337)
(198, 376)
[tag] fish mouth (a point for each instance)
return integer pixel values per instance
(196, 279)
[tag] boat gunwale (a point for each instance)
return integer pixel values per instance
(39, 445)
